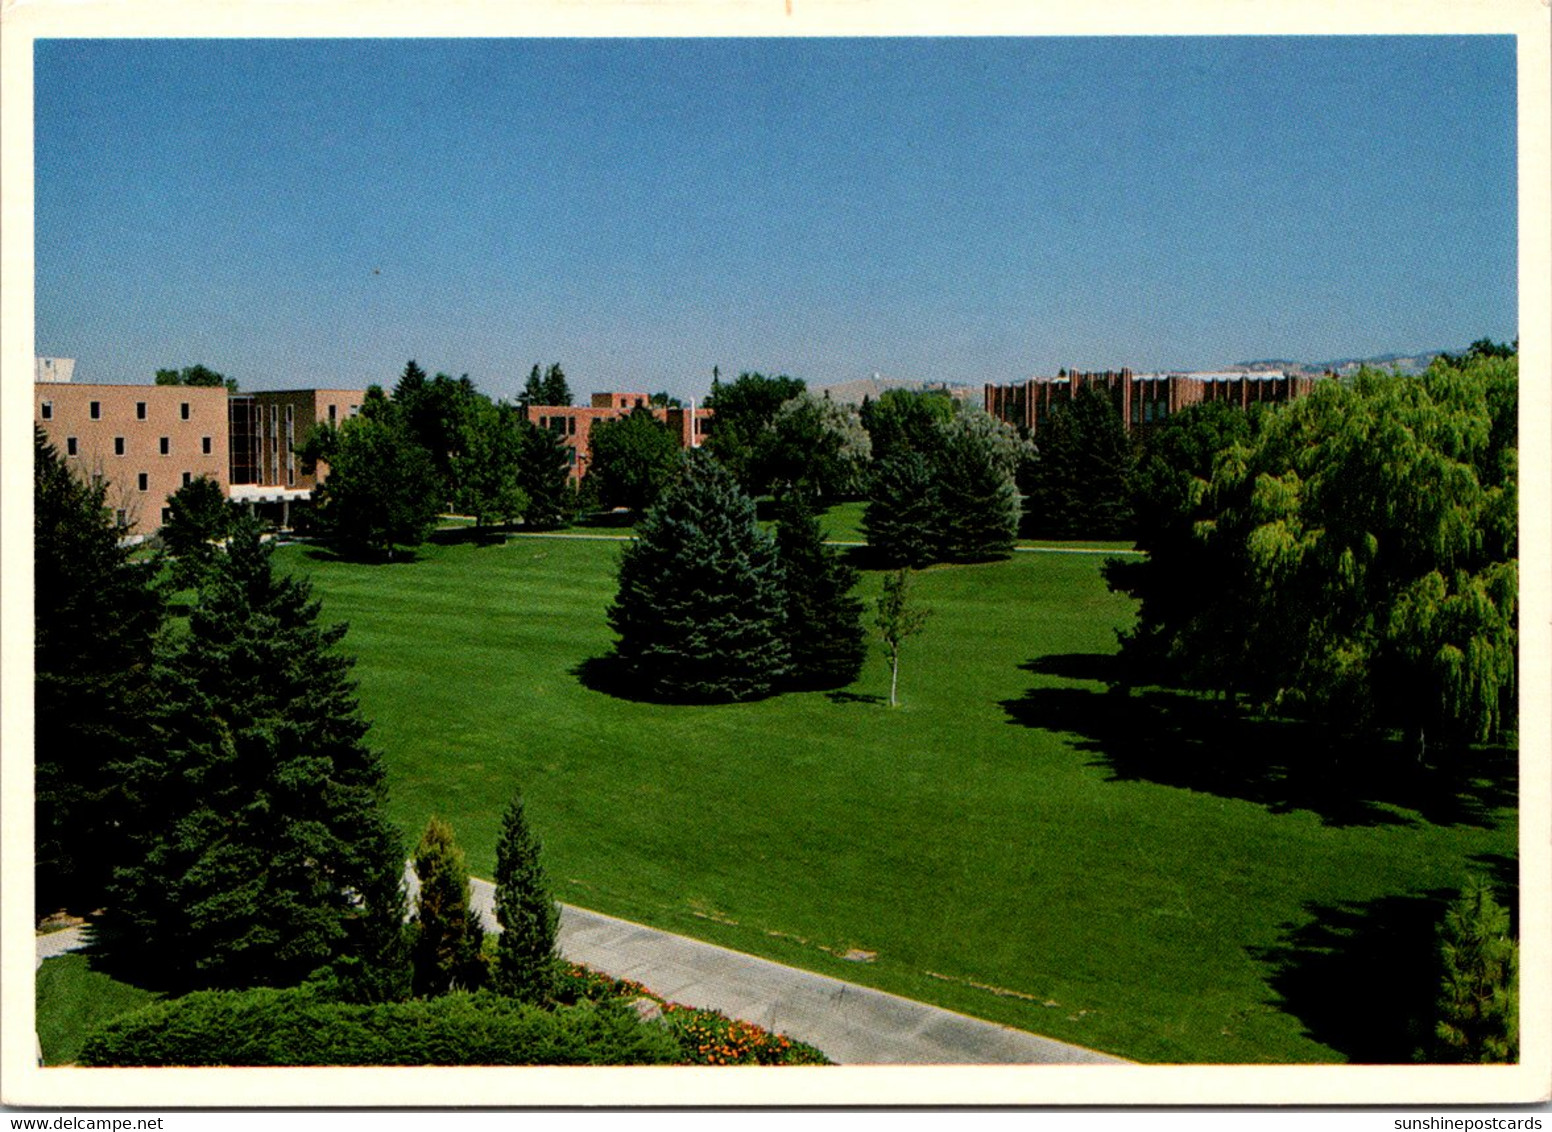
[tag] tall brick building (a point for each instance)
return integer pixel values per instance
(1144, 400)
(143, 441)
(574, 423)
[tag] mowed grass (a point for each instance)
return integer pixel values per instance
(73, 999)
(987, 859)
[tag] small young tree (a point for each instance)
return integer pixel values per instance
(824, 621)
(700, 608)
(897, 619)
(527, 954)
(447, 933)
(1479, 1014)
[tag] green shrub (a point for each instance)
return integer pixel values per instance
(297, 1027)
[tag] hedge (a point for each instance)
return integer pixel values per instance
(298, 1027)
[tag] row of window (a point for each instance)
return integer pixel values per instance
(94, 410)
(561, 426)
(120, 446)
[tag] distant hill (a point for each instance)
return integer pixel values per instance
(852, 392)
(1406, 363)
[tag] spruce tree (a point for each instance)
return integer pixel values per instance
(544, 475)
(260, 852)
(1479, 1016)
(447, 933)
(824, 621)
(903, 522)
(977, 502)
(700, 609)
(96, 614)
(527, 954)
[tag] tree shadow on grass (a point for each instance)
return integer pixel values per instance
(489, 535)
(1362, 977)
(1194, 742)
(843, 697)
(328, 552)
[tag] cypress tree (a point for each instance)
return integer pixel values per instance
(95, 619)
(260, 852)
(544, 475)
(824, 621)
(903, 521)
(447, 933)
(700, 607)
(527, 955)
(1479, 1015)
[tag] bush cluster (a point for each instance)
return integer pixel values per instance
(301, 1027)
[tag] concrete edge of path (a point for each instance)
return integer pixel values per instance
(850, 1023)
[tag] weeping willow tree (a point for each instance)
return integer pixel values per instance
(1355, 560)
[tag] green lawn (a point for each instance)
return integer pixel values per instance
(1010, 843)
(73, 999)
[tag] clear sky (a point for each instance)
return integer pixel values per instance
(296, 213)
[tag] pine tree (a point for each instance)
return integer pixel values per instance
(1479, 1014)
(1079, 485)
(199, 516)
(902, 520)
(447, 933)
(533, 389)
(700, 609)
(544, 475)
(824, 621)
(96, 615)
(260, 852)
(527, 954)
(977, 502)
(556, 391)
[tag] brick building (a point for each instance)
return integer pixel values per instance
(143, 441)
(574, 423)
(1144, 400)
(266, 429)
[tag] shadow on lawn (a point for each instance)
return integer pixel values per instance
(1362, 977)
(1188, 740)
(327, 552)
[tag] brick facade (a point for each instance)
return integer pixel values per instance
(144, 441)
(267, 428)
(574, 423)
(1144, 400)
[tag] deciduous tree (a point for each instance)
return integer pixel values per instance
(634, 457)
(382, 490)
(898, 619)
(741, 429)
(199, 516)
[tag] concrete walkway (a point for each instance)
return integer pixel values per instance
(852, 1024)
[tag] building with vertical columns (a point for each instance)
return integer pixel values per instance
(267, 429)
(1144, 400)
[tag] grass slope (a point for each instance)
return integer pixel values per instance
(73, 999)
(1000, 849)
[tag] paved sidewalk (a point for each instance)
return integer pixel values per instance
(57, 943)
(852, 1024)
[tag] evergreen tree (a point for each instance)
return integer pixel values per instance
(260, 852)
(447, 933)
(556, 391)
(1079, 485)
(1479, 1013)
(199, 516)
(527, 955)
(824, 621)
(96, 615)
(975, 497)
(544, 476)
(700, 608)
(741, 432)
(533, 390)
(902, 521)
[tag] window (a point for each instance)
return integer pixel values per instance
(183, 410)
(140, 410)
(571, 426)
(290, 413)
(204, 445)
(96, 411)
(144, 481)
(354, 409)
(166, 446)
(290, 472)
(571, 457)
(46, 410)
(70, 446)
(188, 477)
(333, 413)
(118, 446)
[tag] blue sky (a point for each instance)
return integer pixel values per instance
(298, 213)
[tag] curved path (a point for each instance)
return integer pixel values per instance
(852, 1024)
